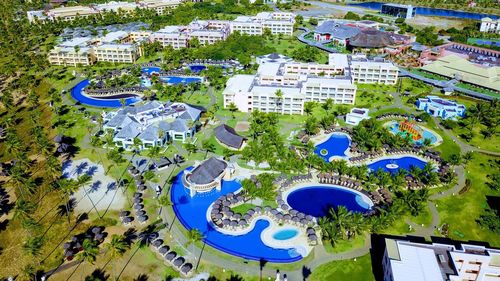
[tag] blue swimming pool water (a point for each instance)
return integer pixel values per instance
(403, 163)
(285, 234)
(191, 212)
(76, 93)
(180, 80)
(335, 145)
(197, 67)
(426, 135)
(317, 200)
(151, 70)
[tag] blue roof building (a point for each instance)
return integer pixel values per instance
(438, 107)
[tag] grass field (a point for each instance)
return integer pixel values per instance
(359, 270)
(461, 211)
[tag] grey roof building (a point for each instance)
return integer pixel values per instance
(208, 171)
(228, 136)
(153, 123)
(207, 175)
(371, 38)
(337, 30)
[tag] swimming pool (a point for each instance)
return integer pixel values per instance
(316, 200)
(393, 165)
(192, 213)
(77, 94)
(180, 80)
(285, 234)
(197, 67)
(393, 127)
(335, 146)
(150, 70)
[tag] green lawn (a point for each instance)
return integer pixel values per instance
(372, 97)
(492, 143)
(243, 208)
(479, 89)
(359, 270)
(461, 211)
(345, 245)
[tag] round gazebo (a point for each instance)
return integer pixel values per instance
(207, 175)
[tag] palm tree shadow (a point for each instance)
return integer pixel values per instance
(235, 278)
(99, 274)
(141, 277)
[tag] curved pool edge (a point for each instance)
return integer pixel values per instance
(77, 94)
(392, 157)
(227, 250)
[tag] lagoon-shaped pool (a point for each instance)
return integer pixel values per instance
(316, 200)
(394, 164)
(112, 102)
(192, 213)
(335, 146)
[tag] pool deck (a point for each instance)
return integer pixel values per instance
(299, 242)
(439, 139)
(393, 156)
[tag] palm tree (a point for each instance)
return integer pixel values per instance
(116, 247)
(23, 209)
(191, 148)
(279, 98)
(232, 108)
(32, 246)
(208, 147)
(144, 239)
(88, 254)
(194, 236)
(137, 144)
(123, 102)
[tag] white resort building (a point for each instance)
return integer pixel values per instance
(153, 123)
(124, 46)
(285, 87)
(207, 176)
(72, 12)
(490, 25)
(409, 261)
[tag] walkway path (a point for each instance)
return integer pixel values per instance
(445, 84)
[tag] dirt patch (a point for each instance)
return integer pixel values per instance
(242, 126)
(101, 192)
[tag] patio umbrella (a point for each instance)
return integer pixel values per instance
(157, 243)
(304, 221)
(124, 213)
(287, 217)
(96, 230)
(226, 203)
(137, 195)
(142, 218)
(74, 238)
(216, 206)
(127, 220)
(309, 217)
(240, 198)
(293, 212)
(170, 256)
(225, 209)
(242, 222)
(137, 200)
(163, 249)
(233, 223)
(141, 187)
(138, 206)
(237, 216)
(218, 216)
(229, 213)
(99, 236)
(310, 231)
(69, 253)
(226, 222)
(274, 211)
(246, 216)
(312, 237)
(281, 202)
(214, 211)
(279, 216)
(257, 209)
(234, 201)
(251, 212)
(285, 207)
(267, 208)
(66, 245)
(140, 213)
(295, 219)
(186, 268)
(230, 195)
(179, 261)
